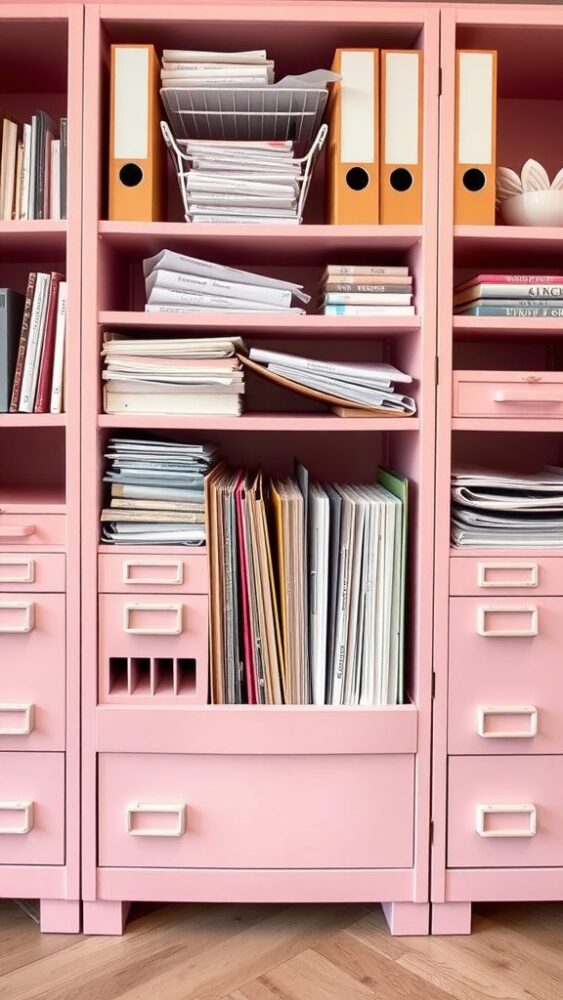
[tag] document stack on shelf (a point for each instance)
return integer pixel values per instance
(515, 295)
(177, 283)
(362, 290)
(498, 510)
(307, 589)
(32, 345)
(33, 168)
(156, 488)
(191, 376)
(192, 68)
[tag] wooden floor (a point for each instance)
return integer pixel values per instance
(285, 953)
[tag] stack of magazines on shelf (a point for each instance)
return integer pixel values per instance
(307, 589)
(156, 491)
(515, 295)
(186, 68)
(177, 283)
(194, 376)
(32, 345)
(499, 510)
(33, 168)
(364, 290)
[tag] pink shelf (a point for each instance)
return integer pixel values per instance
(553, 425)
(44, 499)
(32, 420)
(44, 235)
(481, 237)
(301, 422)
(468, 327)
(266, 325)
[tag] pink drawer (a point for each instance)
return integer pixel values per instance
(487, 577)
(32, 672)
(185, 574)
(505, 812)
(216, 811)
(507, 394)
(32, 529)
(153, 648)
(27, 571)
(32, 809)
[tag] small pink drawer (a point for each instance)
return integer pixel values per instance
(505, 812)
(32, 809)
(185, 574)
(219, 811)
(32, 672)
(488, 577)
(32, 529)
(507, 394)
(27, 571)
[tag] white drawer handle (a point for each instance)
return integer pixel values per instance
(27, 723)
(174, 629)
(484, 711)
(483, 811)
(176, 580)
(160, 809)
(484, 568)
(27, 819)
(17, 531)
(523, 396)
(28, 623)
(521, 609)
(28, 567)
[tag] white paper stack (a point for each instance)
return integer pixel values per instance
(177, 283)
(192, 68)
(157, 495)
(190, 376)
(498, 510)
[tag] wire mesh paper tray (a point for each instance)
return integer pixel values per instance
(182, 166)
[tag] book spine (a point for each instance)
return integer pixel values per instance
(349, 310)
(40, 167)
(345, 269)
(19, 180)
(43, 400)
(31, 211)
(555, 312)
(57, 386)
(24, 335)
(4, 352)
(63, 166)
(34, 344)
(363, 298)
(24, 200)
(375, 289)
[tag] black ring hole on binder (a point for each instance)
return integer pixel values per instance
(130, 174)
(401, 179)
(474, 179)
(357, 178)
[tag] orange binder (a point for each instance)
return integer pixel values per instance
(400, 178)
(136, 154)
(353, 157)
(475, 138)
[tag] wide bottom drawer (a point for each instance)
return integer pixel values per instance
(32, 808)
(248, 811)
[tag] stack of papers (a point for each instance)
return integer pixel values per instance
(366, 290)
(192, 376)
(156, 491)
(177, 283)
(498, 510)
(307, 584)
(191, 68)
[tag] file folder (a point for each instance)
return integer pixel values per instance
(136, 154)
(354, 139)
(475, 138)
(400, 180)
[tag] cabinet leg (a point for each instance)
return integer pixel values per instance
(407, 919)
(59, 916)
(451, 918)
(104, 916)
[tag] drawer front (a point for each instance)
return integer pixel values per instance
(218, 811)
(505, 812)
(487, 577)
(153, 648)
(184, 574)
(505, 691)
(32, 672)
(32, 809)
(32, 529)
(489, 394)
(25, 571)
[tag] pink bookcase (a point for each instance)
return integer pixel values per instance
(41, 59)
(258, 804)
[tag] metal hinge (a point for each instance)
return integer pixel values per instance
(440, 81)
(431, 833)
(437, 370)
(433, 684)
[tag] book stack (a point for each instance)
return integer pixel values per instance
(33, 168)
(177, 283)
(516, 295)
(185, 68)
(32, 345)
(493, 509)
(191, 376)
(358, 290)
(307, 584)
(156, 491)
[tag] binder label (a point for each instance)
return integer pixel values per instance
(131, 108)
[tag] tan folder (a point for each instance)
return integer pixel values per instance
(475, 138)
(400, 177)
(136, 154)
(353, 157)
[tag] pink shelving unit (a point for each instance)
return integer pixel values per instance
(283, 804)
(41, 58)
(517, 852)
